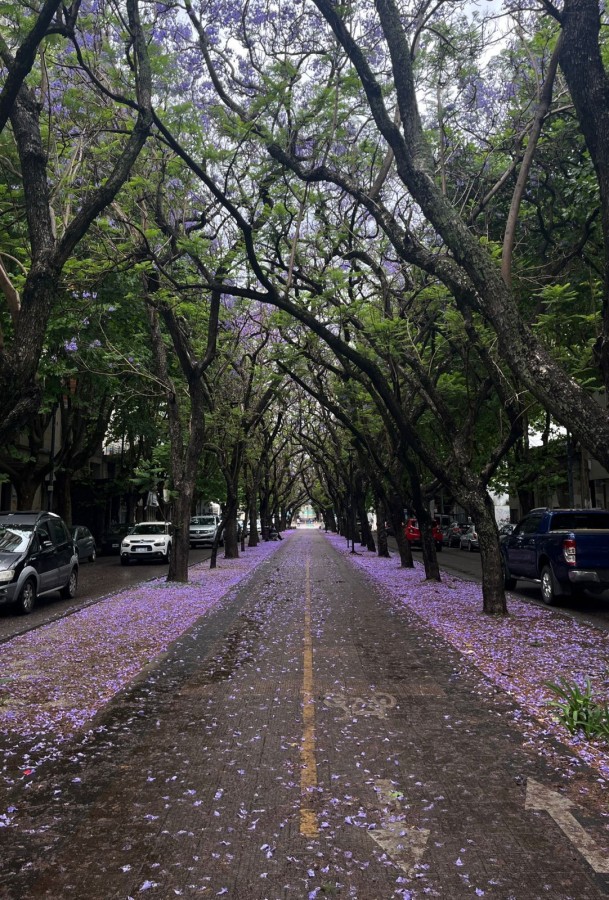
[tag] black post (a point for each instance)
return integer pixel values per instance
(352, 503)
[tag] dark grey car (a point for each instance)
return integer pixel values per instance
(37, 556)
(85, 542)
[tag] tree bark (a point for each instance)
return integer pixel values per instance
(582, 64)
(381, 531)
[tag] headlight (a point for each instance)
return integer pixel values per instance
(6, 575)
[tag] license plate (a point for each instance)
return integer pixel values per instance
(141, 549)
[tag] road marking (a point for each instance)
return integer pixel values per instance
(558, 807)
(355, 707)
(308, 773)
(405, 844)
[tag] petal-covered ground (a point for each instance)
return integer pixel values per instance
(520, 653)
(56, 678)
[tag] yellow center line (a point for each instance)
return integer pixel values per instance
(308, 773)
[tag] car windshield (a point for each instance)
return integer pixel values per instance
(203, 520)
(149, 528)
(15, 539)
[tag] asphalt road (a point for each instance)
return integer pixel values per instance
(467, 566)
(95, 580)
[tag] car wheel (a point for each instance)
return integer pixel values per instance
(93, 556)
(548, 595)
(68, 591)
(124, 560)
(168, 554)
(27, 597)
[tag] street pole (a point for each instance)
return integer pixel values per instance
(352, 504)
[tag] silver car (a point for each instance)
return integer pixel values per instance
(202, 530)
(469, 539)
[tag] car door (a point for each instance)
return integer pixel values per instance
(64, 550)
(521, 547)
(43, 558)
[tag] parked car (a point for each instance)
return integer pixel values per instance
(85, 542)
(412, 533)
(112, 539)
(455, 530)
(37, 556)
(202, 530)
(565, 551)
(147, 540)
(505, 530)
(469, 539)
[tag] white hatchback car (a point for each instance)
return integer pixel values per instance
(147, 540)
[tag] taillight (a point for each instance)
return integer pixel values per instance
(569, 551)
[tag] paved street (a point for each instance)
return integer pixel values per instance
(307, 738)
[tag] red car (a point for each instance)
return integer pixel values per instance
(412, 533)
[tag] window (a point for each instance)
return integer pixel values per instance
(571, 521)
(59, 534)
(529, 525)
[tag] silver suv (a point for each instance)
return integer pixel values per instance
(202, 530)
(37, 556)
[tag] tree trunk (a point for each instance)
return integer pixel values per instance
(231, 548)
(582, 65)
(493, 590)
(180, 541)
(428, 545)
(26, 491)
(396, 516)
(62, 495)
(381, 531)
(254, 537)
(366, 531)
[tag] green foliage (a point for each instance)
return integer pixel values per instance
(578, 710)
(568, 322)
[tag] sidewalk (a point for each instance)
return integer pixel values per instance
(326, 730)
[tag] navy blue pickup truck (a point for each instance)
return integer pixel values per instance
(565, 550)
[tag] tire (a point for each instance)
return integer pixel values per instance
(124, 560)
(93, 556)
(439, 547)
(166, 556)
(68, 591)
(548, 594)
(27, 598)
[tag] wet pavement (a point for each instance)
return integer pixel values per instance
(305, 739)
